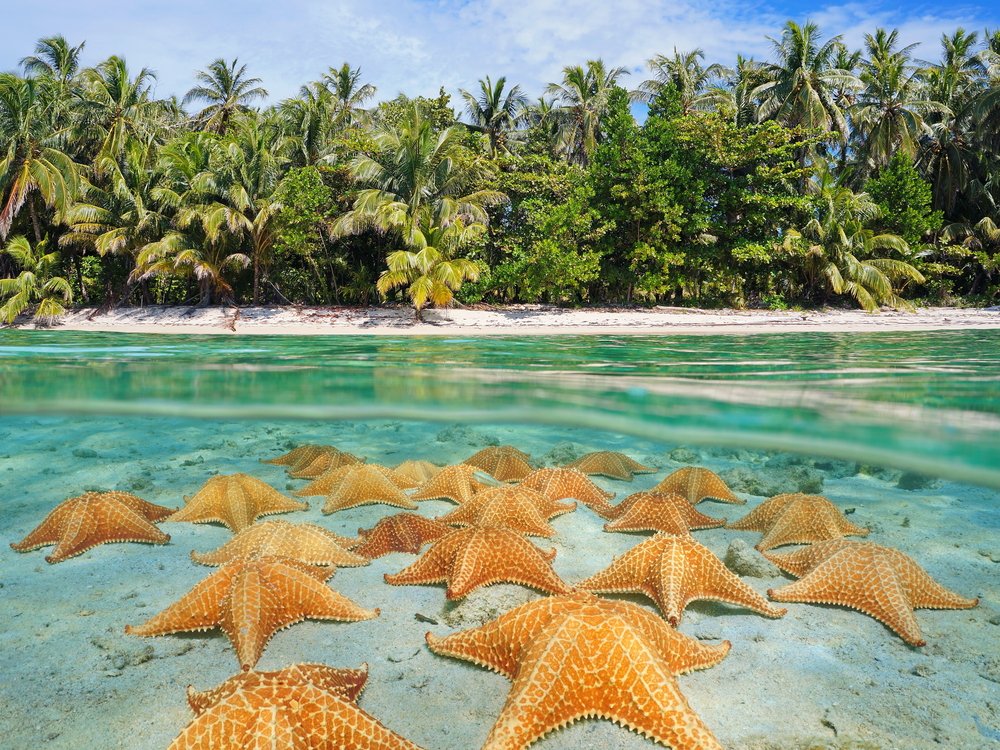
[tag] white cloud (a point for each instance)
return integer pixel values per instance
(418, 45)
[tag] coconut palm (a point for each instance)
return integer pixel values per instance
(429, 270)
(838, 250)
(495, 112)
(804, 85)
(308, 122)
(228, 90)
(582, 98)
(55, 59)
(686, 74)
(734, 97)
(349, 94)
(36, 284)
(115, 107)
(888, 113)
(32, 160)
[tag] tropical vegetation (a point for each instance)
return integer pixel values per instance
(822, 175)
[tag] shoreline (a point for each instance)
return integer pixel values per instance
(516, 320)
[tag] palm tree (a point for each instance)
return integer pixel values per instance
(418, 185)
(349, 94)
(804, 85)
(227, 89)
(35, 285)
(838, 250)
(32, 159)
(583, 99)
(308, 122)
(115, 108)
(685, 73)
(494, 112)
(429, 271)
(55, 59)
(888, 112)
(734, 98)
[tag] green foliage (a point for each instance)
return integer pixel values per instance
(36, 285)
(905, 201)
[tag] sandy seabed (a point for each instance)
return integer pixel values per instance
(516, 320)
(821, 677)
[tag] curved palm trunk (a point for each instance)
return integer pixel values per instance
(204, 292)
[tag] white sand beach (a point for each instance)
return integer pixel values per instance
(513, 320)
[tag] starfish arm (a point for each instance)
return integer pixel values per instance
(431, 567)
(681, 653)
(709, 578)
(199, 609)
(627, 574)
(502, 558)
(49, 530)
(149, 511)
(923, 591)
(99, 522)
(617, 678)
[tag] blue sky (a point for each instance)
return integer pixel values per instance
(418, 45)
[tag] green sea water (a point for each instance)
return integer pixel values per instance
(922, 401)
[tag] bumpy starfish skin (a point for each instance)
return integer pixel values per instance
(653, 511)
(250, 600)
(323, 463)
(504, 463)
(518, 508)
(566, 484)
(329, 481)
(880, 581)
(469, 558)
(304, 542)
(456, 483)
(303, 707)
(797, 519)
(83, 522)
(576, 656)
(301, 455)
(365, 485)
(403, 532)
(697, 484)
(418, 471)
(236, 500)
(674, 571)
(610, 464)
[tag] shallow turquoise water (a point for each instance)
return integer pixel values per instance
(160, 415)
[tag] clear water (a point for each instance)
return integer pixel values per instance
(160, 415)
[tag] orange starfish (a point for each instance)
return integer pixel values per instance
(419, 472)
(403, 532)
(456, 483)
(480, 556)
(299, 457)
(697, 484)
(236, 501)
(304, 542)
(564, 484)
(324, 462)
(674, 571)
(577, 656)
(502, 462)
(252, 599)
(307, 706)
(364, 484)
(83, 522)
(331, 480)
(654, 511)
(610, 464)
(880, 581)
(518, 508)
(797, 519)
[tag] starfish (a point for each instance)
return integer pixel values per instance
(480, 556)
(654, 511)
(674, 571)
(301, 456)
(576, 656)
(364, 484)
(610, 464)
(323, 463)
(504, 463)
(880, 581)
(403, 532)
(83, 522)
(797, 519)
(419, 472)
(697, 484)
(236, 500)
(329, 481)
(304, 542)
(305, 706)
(252, 599)
(563, 484)
(518, 508)
(456, 483)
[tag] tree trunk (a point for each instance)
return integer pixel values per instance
(34, 219)
(256, 278)
(78, 267)
(205, 292)
(418, 314)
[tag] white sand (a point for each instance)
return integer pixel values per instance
(821, 677)
(513, 320)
